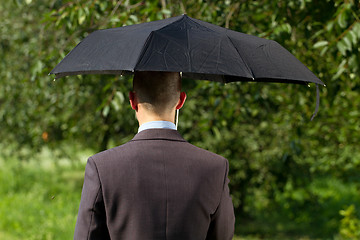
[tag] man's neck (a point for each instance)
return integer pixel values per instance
(144, 117)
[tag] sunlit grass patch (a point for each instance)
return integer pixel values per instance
(39, 198)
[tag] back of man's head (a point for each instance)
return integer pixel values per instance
(158, 92)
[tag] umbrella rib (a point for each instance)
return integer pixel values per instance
(143, 51)
(201, 66)
(187, 34)
(146, 45)
(167, 44)
(266, 50)
(247, 66)
(169, 55)
(188, 52)
(163, 56)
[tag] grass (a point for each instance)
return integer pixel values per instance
(40, 197)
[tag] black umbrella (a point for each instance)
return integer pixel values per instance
(198, 49)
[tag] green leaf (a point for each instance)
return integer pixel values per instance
(118, 101)
(106, 110)
(347, 43)
(103, 5)
(134, 18)
(342, 19)
(120, 96)
(81, 16)
(324, 50)
(353, 37)
(341, 47)
(353, 63)
(330, 26)
(320, 44)
(356, 29)
(167, 12)
(216, 133)
(340, 71)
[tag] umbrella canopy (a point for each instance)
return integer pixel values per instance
(198, 49)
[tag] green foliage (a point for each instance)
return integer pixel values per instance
(350, 224)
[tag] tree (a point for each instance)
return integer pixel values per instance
(263, 129)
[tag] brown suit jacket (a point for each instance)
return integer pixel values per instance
(156, 186)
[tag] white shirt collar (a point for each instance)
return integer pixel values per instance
(157, 124)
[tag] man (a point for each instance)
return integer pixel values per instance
(157, 186)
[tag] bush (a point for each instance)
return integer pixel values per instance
(350, 224)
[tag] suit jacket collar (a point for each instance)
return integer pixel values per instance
(159, 133)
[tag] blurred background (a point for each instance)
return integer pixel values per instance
(291, 178)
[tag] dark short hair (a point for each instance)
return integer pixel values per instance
(157, 91)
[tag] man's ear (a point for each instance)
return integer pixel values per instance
(133, 101)
(181, 100)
